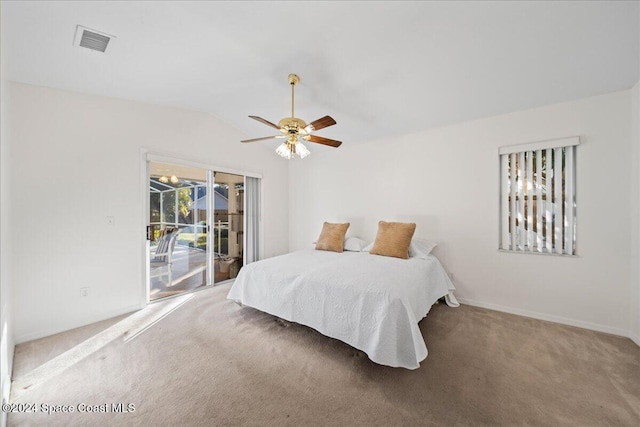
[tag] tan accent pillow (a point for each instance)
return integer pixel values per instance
(332, 237)
(393, 239)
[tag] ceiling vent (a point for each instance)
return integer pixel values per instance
(91, 39)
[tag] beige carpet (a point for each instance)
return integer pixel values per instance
(211, 362)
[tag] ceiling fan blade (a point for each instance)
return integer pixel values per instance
(263, 138)
(266, 122)
(323, 141)
(321, 123)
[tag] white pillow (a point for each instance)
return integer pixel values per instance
(421, 248)
(354, 244)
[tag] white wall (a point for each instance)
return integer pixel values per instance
(76, 159)
(446, 180)
(6, 322)
(635, 215)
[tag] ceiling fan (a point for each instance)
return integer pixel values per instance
(295, 129)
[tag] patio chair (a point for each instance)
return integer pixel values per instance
(161, 259)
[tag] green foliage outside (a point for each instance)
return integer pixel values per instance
(186, 239)
(184, 206)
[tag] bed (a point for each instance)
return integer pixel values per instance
(371, 302)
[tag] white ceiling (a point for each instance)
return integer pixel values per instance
(378, 68)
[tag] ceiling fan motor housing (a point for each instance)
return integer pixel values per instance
(292, 125)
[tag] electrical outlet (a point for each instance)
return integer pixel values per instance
(84, 292)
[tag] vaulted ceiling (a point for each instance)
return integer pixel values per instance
(379, 68)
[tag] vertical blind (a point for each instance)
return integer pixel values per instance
(252, 211)
(538, 197)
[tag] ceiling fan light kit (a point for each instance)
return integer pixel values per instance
(295, 129)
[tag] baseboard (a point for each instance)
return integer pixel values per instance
(19, 339)
(549, 318)
(635, 339)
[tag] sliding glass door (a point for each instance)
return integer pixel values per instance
(177, 230)
(196, 227)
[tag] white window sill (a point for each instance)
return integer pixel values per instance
(508, 251)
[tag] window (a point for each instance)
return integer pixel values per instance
(538, 197)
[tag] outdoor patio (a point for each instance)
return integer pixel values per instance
(187, 273)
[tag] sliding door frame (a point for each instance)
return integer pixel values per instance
(146, 156)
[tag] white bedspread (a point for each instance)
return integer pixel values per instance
(371, 302)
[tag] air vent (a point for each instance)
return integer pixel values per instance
(91, 39)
